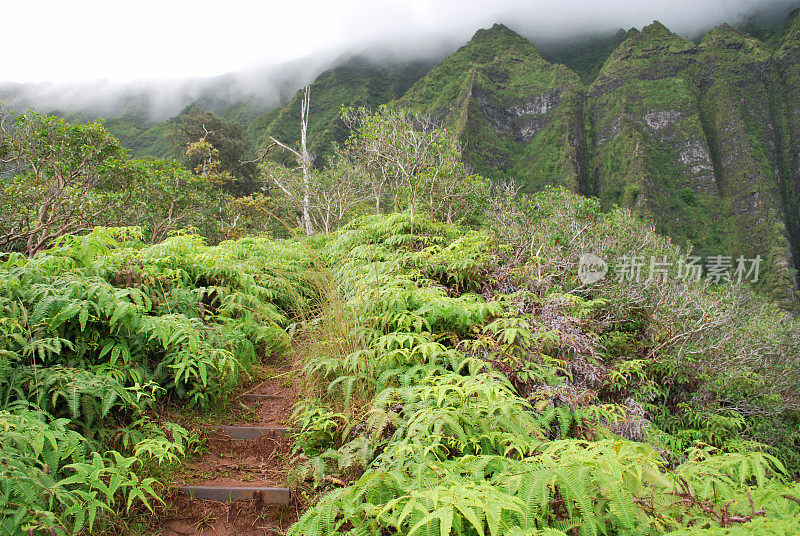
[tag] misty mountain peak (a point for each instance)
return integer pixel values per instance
(728, 37)
(656, 34)
(653, 38)
(656, 27)
(497, 29)
(499, 36)
(794, 25)
(725, 30)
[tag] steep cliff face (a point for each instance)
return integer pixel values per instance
(648, 147)
(701, 137)
(686, 133)
(785, 70)
(733, 80)
(517, 115)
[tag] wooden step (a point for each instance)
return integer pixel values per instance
(254, 397)
(250, 432)
(226, 494)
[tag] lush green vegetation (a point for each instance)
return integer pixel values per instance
(468, 384)
(357, 82)
(457, 377)
(701, 137)
(457, 382)
(688, 134)
(98, 330)
(511, 109)
(585, 56)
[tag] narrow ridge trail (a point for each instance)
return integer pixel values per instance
(239, 485)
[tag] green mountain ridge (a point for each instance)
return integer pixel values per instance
(585, 56)
(701, 137)
(516, 114)
(687, 134)
(356, 82)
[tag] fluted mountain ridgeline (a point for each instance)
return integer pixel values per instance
(702, 137)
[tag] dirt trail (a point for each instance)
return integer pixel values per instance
(229, 463)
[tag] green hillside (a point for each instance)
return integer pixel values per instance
(785, 66)
(701, 137)
(142, 137)
(689, 135)
(585, 56)
(357, 82)
(517, 115)
(511, 305)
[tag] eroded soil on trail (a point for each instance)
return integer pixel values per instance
(262, 462)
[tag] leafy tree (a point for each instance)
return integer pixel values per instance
(221, 214)
(61, 179)
(228, 139)
(388, 152)
(57, 179)
(206, 162)
(411, 155)
(248, 215)
(167, 196)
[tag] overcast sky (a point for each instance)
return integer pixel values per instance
(122, 40)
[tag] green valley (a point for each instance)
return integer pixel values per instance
(509, 290)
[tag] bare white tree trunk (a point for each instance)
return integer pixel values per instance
(304, 160)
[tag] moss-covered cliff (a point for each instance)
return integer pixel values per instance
(517, 115)
(694, 136)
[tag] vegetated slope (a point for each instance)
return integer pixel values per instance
(684, 132)
(147, 138)
(785, 67)
(142, 137)
(463, 380)
(700, 137)
(100, 329)
(517, 115)
(357, 82)
(469, 384)
(693, 136)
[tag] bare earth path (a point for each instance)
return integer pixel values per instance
(238, 486)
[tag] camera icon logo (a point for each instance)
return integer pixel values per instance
(591, 268)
